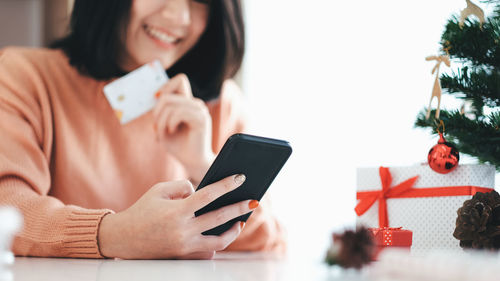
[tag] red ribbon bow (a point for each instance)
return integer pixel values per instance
(387, 234)
(375, 231)
(382, 195)
(405, 190)
(392, 236)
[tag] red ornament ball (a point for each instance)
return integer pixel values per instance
(443, 157)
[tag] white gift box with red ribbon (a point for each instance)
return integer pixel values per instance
(419, 199)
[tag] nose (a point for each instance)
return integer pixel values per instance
(178, 12)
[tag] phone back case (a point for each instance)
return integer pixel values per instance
(260, 159)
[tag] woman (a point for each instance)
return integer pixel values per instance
(90, 187)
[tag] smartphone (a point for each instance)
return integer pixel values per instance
(259, 159)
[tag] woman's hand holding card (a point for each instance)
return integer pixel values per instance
(184, 125)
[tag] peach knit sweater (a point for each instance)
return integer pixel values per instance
(65, 160)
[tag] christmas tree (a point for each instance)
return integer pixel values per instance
(475, 46)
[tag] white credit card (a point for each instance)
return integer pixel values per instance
(134, 94)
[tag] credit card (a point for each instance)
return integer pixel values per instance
(134, 94)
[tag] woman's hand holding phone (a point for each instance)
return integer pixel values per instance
(184, 124)
(162, 224)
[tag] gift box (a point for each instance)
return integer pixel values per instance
(389, 237)
(419, 199)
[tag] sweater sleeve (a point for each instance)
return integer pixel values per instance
(262, 231)
(51, 228)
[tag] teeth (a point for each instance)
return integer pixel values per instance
(160, 35)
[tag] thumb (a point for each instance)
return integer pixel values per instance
(179, 84)
(174, 189)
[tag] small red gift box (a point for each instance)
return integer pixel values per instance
(391, 237)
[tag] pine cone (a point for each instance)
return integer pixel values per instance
(478, 222)
(351, 248)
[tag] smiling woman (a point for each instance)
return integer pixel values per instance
(91, 187)
(202, 39)
(165, 34)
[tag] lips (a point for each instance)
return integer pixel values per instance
(161, 35)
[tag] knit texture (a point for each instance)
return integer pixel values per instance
(66, 161)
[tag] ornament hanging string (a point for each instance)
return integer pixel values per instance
(440, 125)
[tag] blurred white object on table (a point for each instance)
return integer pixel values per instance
(10, 222)
(436, 266)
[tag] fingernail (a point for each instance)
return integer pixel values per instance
(240, 179)
(157, 95)
(242, 224)
(253, 204)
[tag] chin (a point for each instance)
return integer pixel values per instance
(167, 62)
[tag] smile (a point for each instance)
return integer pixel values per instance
(160, 35)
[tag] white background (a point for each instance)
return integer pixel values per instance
(343, 81)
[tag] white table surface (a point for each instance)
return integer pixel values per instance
(225, 267)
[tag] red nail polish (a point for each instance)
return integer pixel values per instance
(253, 204)
(242, 224)
(157, 95)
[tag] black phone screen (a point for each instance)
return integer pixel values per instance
(259, 158)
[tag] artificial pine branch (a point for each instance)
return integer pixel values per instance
(479, 47)
(479, 138)
(470, 83)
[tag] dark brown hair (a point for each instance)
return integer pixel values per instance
(96, 30)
